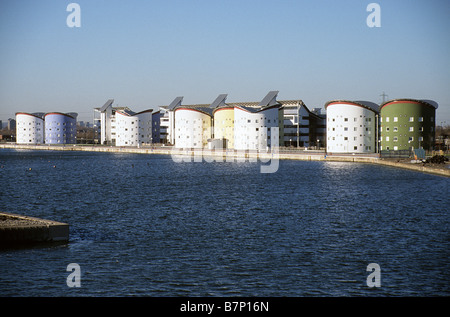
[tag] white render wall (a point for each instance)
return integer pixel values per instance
(350, 128)
(29, 129)
(252, 129)
(133, 130)
(193, 128)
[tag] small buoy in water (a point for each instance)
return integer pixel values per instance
(54, 166)
(29, 169)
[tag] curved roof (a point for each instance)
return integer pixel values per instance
(62, 114)
(361, 103)
(37, 115)
(225, 106)
(255, 109)
(200, 108)
(429, 103)
(127, 112)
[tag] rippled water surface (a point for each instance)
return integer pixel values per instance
(145, 225)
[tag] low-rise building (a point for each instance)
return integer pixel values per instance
(60, 128)
(29, 128)
(407, 124)
(351, 126)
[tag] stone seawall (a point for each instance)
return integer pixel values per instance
(442, 170)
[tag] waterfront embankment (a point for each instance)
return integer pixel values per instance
(231, 155)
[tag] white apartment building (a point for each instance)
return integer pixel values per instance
(29, 128)
(133, 129)
(193, 126)
(351, 126)
(122, 127)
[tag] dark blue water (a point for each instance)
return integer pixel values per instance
(147, 226)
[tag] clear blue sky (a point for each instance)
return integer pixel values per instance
(145, 53)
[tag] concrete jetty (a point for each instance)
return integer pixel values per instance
(23, 229)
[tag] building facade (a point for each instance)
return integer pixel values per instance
(193, 126)
(351, 126)
(133, 129)
(252, 127)
(29, 128)
(407, 124)
(60, 128)
(303, 127)
(156, 127)
(121, 126)
(224, 125)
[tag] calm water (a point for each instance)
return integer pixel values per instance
(147, 226)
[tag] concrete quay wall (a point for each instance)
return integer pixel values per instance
(23, 229)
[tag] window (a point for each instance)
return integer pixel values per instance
(411, 129)
(420, 119)
(387, 119)
(345, 128)
(420, 138)
(411, 119)
(411, 138)
(395, 119)
(395, 139)
(395, 129)
(355, 148)
(387, 139)
(345, 119)
(345, 138)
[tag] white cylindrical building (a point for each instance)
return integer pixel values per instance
(193, 127)
(252, 127)
(351, 126)
(29, 128)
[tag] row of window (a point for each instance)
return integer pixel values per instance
(355, 119)
(395, 138)
(354, 128)
(29, 123)
(355, 147)
(411, 119)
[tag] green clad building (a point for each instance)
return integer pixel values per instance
(407, 124)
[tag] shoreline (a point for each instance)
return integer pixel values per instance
(225, 155)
